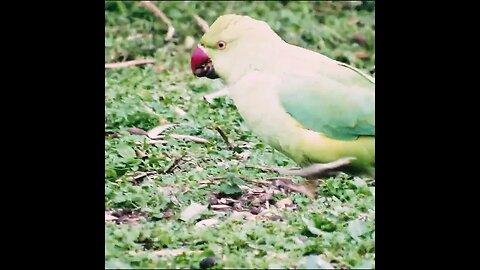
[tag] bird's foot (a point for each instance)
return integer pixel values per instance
(316, 170)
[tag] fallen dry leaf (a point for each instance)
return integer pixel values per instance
(223, 201)
(109, 217)
(255, 210)
(136, 131)
(244, 155)
(264, 198)
(227, 201)
(189, 137)
(207, 222)
(154, 132)
(207, 181)
(242, 215)
(361, 54)
(168, 213)
(359, 38)
(246, 145)
(212, 199)
(179, 111)
(219, 206)
(156, 142)
(168, 190)
(174, 252)
(137, 176)
(193, 211)
(128, 216)
(140, 154)
(284, 203)
(256, 197)
(308, 188)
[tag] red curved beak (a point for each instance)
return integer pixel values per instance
(199, 58)
(201, 64)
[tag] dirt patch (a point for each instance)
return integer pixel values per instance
(126, 216)
(256, 199)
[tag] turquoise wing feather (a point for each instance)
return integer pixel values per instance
(340, 110)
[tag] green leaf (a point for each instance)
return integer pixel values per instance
(357, 228)
(316, 262)
(119, 198)
(229, 189)
(359, 182)
(365, 264)
(108, 42)
(125, 151)
(311, 226)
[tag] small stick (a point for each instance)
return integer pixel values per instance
(189, 137)
(202, 23)
(224, 137)
(174, 164)
(129, 63)
(149, 5)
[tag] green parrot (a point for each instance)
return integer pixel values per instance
(315, 110)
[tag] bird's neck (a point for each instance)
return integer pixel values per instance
(240, 63)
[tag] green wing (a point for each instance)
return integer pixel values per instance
(340, 110)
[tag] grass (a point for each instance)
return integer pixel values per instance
(156, 194)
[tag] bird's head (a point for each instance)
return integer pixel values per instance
(231, 46)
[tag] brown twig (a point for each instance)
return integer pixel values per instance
(155, 132)
(257, 181)
(137, 178)
(224, 137)
(202, 23)
(216, 178)
(308, 188)
(140, 154)
(130, 63)
(136, 131)
(263, 169)
(278, 178)
(149, 5)
(174, 164)
(211, 180)
(189, 137)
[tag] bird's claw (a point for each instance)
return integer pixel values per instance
(316, 170)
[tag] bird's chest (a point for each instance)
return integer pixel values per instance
(265, 117)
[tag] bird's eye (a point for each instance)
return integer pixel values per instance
(221, 45)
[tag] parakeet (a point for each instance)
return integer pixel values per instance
(315, 110)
